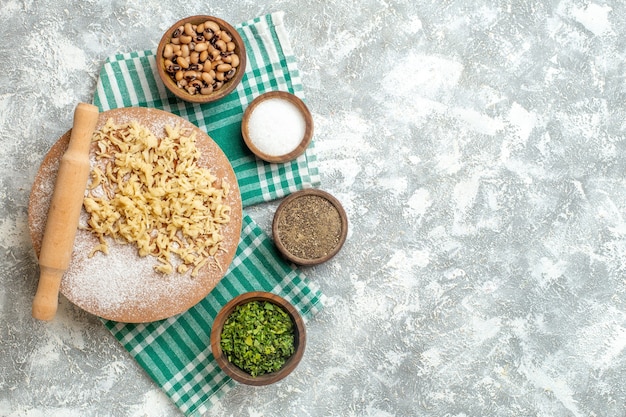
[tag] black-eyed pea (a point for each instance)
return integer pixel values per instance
(185, 39)
(221, 45)
(213, 26)
(194, 57)
(220, 76)
(179, 75)
(224, 68)
(168, 51)
(178, 31)
(182, 83)
(231, 73)
(207, 78)
(215, 53)
(234, 60)
(227, 59)
(206, 90)
(202, 46)
(215, 64)
(225, 36)
(185, 51)
(175, 41)
(182, 61)
(230, 46)
(188, 28)
(204, 55)
(200, 28)
(191, 75)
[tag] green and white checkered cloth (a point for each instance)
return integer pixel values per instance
(132, 79)
(176, 352)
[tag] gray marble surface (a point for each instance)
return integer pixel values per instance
(478, 149)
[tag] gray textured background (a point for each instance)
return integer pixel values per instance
(478, 148)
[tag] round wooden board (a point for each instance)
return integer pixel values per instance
(122, 286)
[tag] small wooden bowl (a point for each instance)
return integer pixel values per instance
(228, 86)
(308, 120)
(311, 217)
(237, 373)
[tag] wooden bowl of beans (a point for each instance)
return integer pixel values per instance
(258, 338)
(201, 59)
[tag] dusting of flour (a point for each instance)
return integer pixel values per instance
(121, 283)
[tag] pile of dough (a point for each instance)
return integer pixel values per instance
(150, 192)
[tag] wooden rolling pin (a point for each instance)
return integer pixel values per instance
(64, 212)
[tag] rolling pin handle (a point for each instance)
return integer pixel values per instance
(64, 212)
(46, 299)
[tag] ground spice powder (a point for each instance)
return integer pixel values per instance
(309, 227)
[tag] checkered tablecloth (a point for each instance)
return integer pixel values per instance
(176, 352)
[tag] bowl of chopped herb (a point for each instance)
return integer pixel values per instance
(258, 338)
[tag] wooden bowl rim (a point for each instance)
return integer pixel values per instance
(227, 88)
(344, 229)
(238, 374)
(308, 133)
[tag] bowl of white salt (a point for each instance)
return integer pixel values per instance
(277, 127)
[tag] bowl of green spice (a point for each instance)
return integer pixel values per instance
(258, 338)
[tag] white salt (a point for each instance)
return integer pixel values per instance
(276, 126)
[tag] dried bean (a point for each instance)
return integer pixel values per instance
(189, 29)
(225, 36)
(201, 58)
(207, 78)
(202, 46)
(223, 67)
(168, 51)
(234, 61)
(213, 26)
(182, 62)
(190, 75)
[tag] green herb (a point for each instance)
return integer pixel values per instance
(258, 337)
